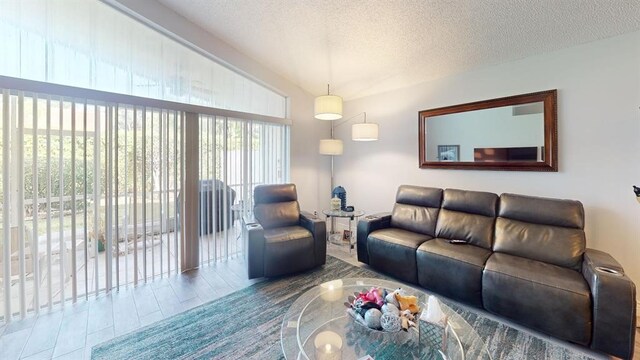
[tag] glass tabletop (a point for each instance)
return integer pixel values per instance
(317, 326)
(340, 213)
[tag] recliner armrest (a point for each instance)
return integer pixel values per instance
(318, 229)
(614, 304)
(255, 250)
(367, 225)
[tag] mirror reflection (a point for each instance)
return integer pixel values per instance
(507, 133)
(514, 133)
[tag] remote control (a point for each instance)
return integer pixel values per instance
(457, 242)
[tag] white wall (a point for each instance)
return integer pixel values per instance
(598, 127)
(309, 170)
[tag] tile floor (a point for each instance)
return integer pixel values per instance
(70, 333)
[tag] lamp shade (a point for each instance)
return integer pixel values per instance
(330, 147)
(364, 132)
(328, 107)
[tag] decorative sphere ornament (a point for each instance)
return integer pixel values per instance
(372, 318)
(390, 322)
(390, 308)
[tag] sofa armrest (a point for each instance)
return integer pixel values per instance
(255, 250)
(614, 304)
(318, 229)
(367, 225)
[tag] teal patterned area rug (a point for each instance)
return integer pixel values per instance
(252, 329)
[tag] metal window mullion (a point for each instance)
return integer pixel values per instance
(178, 116)
(35, 251)
(160, 178)
(214, 150)
(48, 147)
(210, 210)
(116, 195)
(225, 196)
(61, 241)
(85, 202)
(153, 250)
(201, 188)
(166, 194)
(144, 194)
(96, 197)
(108, 264)
(72, 275)
(6, 195)
(125, 225)
(21, 233)
(135, 196)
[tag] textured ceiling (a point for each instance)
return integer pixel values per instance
(362, 47)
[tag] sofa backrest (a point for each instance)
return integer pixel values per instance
(416, 209)
(276, 205)
(468, 215)
(548, 230)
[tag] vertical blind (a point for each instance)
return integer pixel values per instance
(235, 156)
(92, 191)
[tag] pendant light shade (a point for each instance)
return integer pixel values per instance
(331, 147)
(328, 107)
(364, 132)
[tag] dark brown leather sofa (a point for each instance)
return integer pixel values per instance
(283, 240)
(525, 258)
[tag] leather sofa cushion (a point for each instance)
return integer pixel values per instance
(537, 210)
(273, 215)
(549, 298)
(393, 251)
(468, 215)
(419, 196)
(551, 244)
(415, 218)
(264, 194)
(470, 202)
(288, 250)
(452, 270)
(416, 209)
(475, 229)
(286, 233)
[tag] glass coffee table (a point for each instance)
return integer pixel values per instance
(317, 326)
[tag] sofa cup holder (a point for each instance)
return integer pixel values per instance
(609, 271)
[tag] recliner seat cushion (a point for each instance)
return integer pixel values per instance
(549, 298)
(393, 251)
(288, 249)
(452, 270)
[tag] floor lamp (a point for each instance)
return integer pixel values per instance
(359, 132)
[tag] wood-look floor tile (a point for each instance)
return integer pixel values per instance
(11, 344)
(72, 335)
(43, 355)
(125, 316)
(40, 338)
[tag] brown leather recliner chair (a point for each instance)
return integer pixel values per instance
(283, 239)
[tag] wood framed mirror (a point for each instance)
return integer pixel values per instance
(517, 133)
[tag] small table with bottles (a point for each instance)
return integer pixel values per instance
(338, 238)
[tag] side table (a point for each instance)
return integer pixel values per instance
(336, 237)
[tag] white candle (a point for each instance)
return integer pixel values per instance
(331, 290)
(328, 346)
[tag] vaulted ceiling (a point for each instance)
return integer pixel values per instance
(362, 47)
